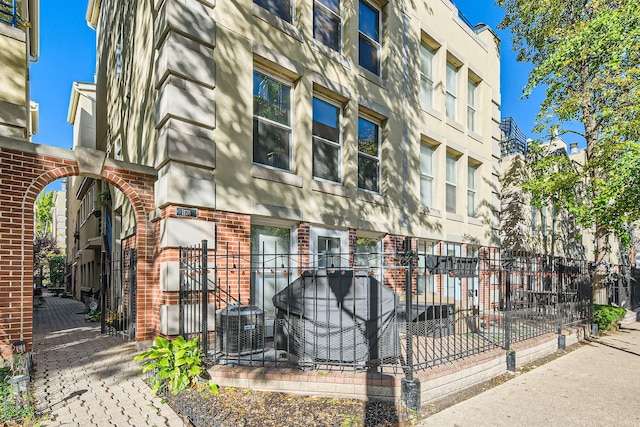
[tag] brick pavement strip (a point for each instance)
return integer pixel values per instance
(83, 378)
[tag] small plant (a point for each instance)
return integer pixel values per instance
(93, 316)
(607, 316)
(175, 363)
(116, 320)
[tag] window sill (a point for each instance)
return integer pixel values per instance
(275, 175)
(332, 54)
(430, 211)
(456, 125)
(454, 217)
(329, 187)
(374, 78)
(284, 26)
(474, 220)
(433, 112)
(371, 197)
(475, 136)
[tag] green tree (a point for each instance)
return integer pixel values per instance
(44, 204)
(586, 53)
(57, 270)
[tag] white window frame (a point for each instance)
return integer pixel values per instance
(321, 140)
(377, 44)
(291, 10)
(270, 122)
(316, 232)
(318, 4)
(377, 158)
(472, 105)
(472, 206)
(427, 54)
(451, 86)
(427, 176)
(451, 180)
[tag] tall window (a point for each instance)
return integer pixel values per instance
(280, 8)
(370, 30)
(368, 155)
(271, 121)
(326, 140)
(471, 190)
(534, 219)
(426, 282)
(327, 23)
(451, 102)
(427, 56)
(472, 105)
(367, 252)
(426, 174)
(451, 182)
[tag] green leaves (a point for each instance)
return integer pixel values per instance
(586, 54)
(175, 363)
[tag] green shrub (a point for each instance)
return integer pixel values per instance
(607, 316)
(175, 363)
(9, 410)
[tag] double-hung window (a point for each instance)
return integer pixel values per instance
(281, 8)
(271, 121)
(426, 174)
(326, 140)
(327, 23)
(472, 105)
(471, 190)
(370, 31)
(427, 56)
(451, 182)
(451, 101)
(368, 155)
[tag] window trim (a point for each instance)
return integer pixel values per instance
(378, 158)
(281, 79)
(430, 177)
(454, 184)
(424, 46)
(338, 144)
(472, 124)
(291, 12)
(368, 39)
(449, 94)
(472, 191)
(340, 24)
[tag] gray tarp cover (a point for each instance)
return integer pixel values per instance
(337, 316)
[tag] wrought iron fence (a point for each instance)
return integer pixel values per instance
(398, 311)
(119, 290)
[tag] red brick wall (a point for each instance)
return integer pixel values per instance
(23, 175)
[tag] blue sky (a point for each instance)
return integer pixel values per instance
(67, 54)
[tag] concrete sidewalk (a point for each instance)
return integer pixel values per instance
(595, 385)
(83, 378)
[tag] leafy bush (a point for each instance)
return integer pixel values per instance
(607, 316)
(175, 363)
(93, 316)
(9, 409)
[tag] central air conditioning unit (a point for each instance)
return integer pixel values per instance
(240, 330)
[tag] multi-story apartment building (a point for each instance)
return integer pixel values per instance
(59, 217)
(19, 45)
(302, 126)
(84, 221)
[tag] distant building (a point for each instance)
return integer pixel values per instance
(59, 217)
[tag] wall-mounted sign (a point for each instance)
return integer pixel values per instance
(190, 212)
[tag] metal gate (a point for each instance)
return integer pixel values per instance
(119, 290)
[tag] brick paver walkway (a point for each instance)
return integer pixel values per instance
(83, 378)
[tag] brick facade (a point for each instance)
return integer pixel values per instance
(25, 170)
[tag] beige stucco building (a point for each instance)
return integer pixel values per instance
(19, 45)
(302, 126)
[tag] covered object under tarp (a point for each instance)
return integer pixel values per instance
(337, 316)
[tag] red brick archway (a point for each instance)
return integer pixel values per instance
(26, 169)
